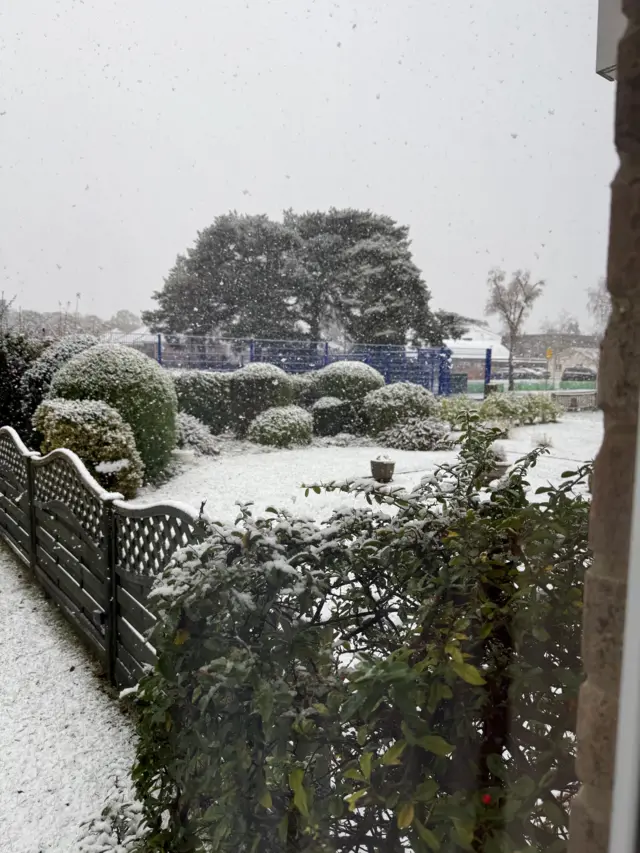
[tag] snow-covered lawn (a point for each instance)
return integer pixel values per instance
(63, 740)
(274, 478)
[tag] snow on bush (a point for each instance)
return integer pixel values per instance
(282, 427)
(120, 827)
(332, 416)
(455, 410)
(194, 435)
(519, 409)
(303, 388)
(37, 380)
(416, 434)
(136, 386)
(347, 380)
(18, 354)
(98, 435)
(206, 395)
(256, 388)
(386, 406)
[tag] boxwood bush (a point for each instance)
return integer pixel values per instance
(416, 434)
(402, 680)
(256, 388)
(194, 435)
(136, 386)
(303, 390)
(332, 416)
(346, 380)
(456, 410)
(399, 401)
(519, 409)
(205, 395)
(283, 426)
(98, 435)
(18, 353)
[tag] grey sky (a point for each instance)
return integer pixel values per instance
(128, 125)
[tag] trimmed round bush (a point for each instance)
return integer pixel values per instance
(205, 395)
(136, 386)
(36, 381)
(332, 416)
(416, 434)
(399, 401)
(196, 436)
(98, 435)
(347, 380)
(256, 388)
(282, 427)
(302, 385)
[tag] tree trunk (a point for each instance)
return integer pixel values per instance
(511, 382)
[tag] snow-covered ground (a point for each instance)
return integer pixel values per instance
(275, 478)
(63, 740)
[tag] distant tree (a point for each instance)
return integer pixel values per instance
(512, 302)
(454, 326)
(599, 307)
(564, 324)
(125, 321)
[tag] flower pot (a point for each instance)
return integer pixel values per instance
(382, 470)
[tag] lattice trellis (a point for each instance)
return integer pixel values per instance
(145, 544)
(57, 479)
(12, 460)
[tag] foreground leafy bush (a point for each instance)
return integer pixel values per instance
(205, 395)
(399, 401)
(416, 434)
(346, 380)
(256, 388)
(18, 353)
(456, 410)
(332, 416)
(136, 386)
(36, 382)
(283, 426)
(194, 435)
(98, 435)
(402, 681)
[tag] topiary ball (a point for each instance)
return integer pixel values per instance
(284, 426)
(386, 406)
(303, 388)
(98, 435)
(136, 386)
(332, 416)
(205, 395)
(256, 388)
(347, 380)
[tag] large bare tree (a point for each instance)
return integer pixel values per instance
(599, 307)
(512, 302)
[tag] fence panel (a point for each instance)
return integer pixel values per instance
(15, 524)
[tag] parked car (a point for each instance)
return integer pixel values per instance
(579, 374)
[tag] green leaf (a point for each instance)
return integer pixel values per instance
(363, 733)
(181, 637)
(283, 828)
(300, 801)
(392, 755)
(435, 744)
(463, 833)
(554, 813)
(365, 764)
(352, 773)
(265, 799)
(352, 799)
(406, 815)
(426, 835)
(496, 766)
(467, 673)
(427, 790)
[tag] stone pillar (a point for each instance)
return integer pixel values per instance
(619, 375)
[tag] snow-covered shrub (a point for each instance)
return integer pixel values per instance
(18, 353)
(302, 385)
(283, 426)
(538, 408)
(399, 401)
(332, 416)
(120, 827)
(502, 408)
(416, 434)
(206, 395)
(346, 380)
(256, 388)
(98, 435)
(455, 410)
(282, 703)
(37, 380)
(196, 436)
(136, 386)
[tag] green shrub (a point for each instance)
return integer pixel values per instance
(302, 385)
(36, 381)
(283, 426)
(539, 408)
(407, 678)
(456, 410)
(519, 409)
(98, 435)
(136, 386)
(206, 395)
(194, 435)
(256, 388)
(332, 416)
(18, 353)
(346, 380)
(416, 434)
(399, 401)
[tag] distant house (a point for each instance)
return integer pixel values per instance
(469, 351)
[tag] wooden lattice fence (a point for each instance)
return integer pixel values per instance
(94, 554)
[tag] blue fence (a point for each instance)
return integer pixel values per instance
(429, 367)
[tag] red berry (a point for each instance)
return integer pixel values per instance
(486, 799)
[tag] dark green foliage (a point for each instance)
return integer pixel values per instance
(331, 416)
(136, 386)
(256, 388)
(206, 395)
(17, 354)
(346, 380)
(377, 682)
(303, 388)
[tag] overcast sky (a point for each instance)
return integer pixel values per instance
(128, 125)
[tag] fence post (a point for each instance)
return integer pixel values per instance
(159, 347)
(252, 349)
(444, 373)
(326, 353)
(31, 497)
(487, 370)
(111, 637)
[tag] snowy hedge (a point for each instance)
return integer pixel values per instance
(332, 416)
(511, 408)
(256, 388)
(285, 426)
(18, 353)
(206, 395)
(416, 434)
(455, 410)
(136, 386)
(98, 435)
(37, 380)
(346, 380)
(196, 436)
(386, 406)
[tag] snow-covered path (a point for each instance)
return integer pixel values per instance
(63, 740)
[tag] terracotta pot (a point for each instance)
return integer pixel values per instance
(382, 470)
